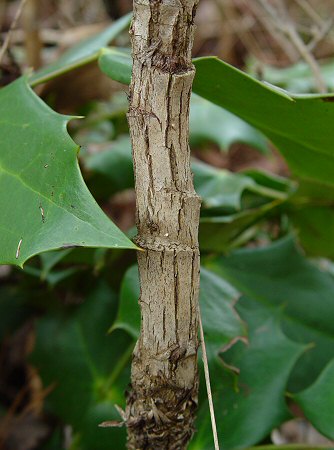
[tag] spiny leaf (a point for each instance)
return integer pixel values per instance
(249, 407)
(44, 202)
(297, 124)
(279, 276)
(85, 366)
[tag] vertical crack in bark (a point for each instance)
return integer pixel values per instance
(163, 397)
(176, 297)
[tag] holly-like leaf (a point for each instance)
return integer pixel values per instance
(87, 369)
(44, 201)
(317, 401)
(249, 407)
(279, 276)
(298, 125)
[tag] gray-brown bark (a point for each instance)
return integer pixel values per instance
(163, 398)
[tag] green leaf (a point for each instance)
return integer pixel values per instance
(297, 125)
(272, 181)
(44, 202)
(317, 402)
(220, 321)
(82, 53)
(222, 325)
(88, 369)
(248, 408)
(116, 64)
(209, 122)
(279, 276)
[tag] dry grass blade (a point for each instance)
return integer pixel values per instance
(208, 385)
(13, 25)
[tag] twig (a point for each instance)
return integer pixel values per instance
(320, 35)
(308, 9)
(279, 37)
(308, 57)
(208, 385)
(286, 27)
(33, 44)
(13, 25)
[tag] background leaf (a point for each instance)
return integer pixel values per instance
(249, 407)
(317, 401)
(279, 276)
(88, 368)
